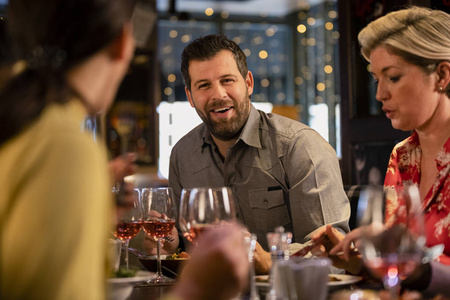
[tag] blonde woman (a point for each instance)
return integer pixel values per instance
(409, 55)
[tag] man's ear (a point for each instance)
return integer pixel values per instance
(123, 45)
(189, 96)
(443, 71)
(250, 83)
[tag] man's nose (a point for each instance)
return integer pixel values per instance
(218, 91)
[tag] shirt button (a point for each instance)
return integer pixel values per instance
(266, 202)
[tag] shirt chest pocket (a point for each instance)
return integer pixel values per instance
(265, 199)
(268, 208)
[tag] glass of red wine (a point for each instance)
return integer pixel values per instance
(128, 224)
(392, 249)
(203, 207)
(158, 221)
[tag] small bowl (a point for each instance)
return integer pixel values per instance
(169, 267)
(121, 288)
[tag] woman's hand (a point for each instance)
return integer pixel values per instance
(339, 248)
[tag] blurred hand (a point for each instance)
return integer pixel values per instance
(339, 248)
(123, 166)
(218, 268)
(262, 260)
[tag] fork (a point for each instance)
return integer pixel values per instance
(169, 238)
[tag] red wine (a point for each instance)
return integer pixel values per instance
(196, 231)
(189, 236)
(402, 267)
(158, 229)
(127, 230)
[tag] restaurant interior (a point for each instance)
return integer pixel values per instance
(306, 63)
(304, 56)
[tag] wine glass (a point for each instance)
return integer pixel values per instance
(392, 252)
(202, 207)
(158, 221)
(124, 123)
(183, 216)
(129, 224)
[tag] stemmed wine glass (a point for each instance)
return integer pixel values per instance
(392, 252)
(158, 221)
(203, 207)
(124, 123)
(129, 224)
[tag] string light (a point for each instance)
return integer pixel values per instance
(209, 11)
(263, 54)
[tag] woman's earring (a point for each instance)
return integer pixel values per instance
(441, 88)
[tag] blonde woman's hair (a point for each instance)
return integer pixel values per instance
(417, 31)
(419, 35)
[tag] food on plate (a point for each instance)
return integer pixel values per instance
(178, 255)
(332, 278)
(123, 272)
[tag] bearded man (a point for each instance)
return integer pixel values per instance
(282, 172)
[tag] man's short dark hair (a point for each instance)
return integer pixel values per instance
(205, 48)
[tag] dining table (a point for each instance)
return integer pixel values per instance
(159, 291)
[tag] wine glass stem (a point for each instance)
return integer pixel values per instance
(158, 256)
(125, 244)
(392, 288)
(124, 144)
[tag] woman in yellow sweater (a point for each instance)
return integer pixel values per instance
(55, 206)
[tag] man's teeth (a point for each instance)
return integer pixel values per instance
(222, 109)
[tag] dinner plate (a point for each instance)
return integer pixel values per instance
(140, 276)
(341, 279)
(121, 288)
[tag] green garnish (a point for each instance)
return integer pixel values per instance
(122, 272)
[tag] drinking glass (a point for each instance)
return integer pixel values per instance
(183, 215)
(158, 221)
(392, 252)
(129, 224)
(124, 122)
(203, 207)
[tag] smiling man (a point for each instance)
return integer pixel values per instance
(282, 172)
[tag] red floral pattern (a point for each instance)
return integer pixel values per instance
(404, 169)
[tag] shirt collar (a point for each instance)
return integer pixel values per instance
(413, 142)
(249, 134)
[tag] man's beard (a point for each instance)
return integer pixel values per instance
(227, 130)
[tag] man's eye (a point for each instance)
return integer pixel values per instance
(203, 86)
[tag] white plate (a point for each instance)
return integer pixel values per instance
(140, 276)
(121, 288)
(343, 279)
(263, 280)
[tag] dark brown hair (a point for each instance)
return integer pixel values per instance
(51, 37)
(205, 48)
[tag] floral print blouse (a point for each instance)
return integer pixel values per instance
(404, 169)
